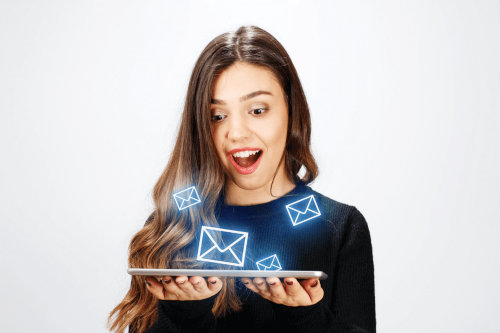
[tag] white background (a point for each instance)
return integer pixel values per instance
(405, 103)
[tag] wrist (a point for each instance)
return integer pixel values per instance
(297, 311)
(192, 308)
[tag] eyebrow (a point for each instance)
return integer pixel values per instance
(243, 98)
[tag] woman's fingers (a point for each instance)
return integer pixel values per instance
(249, 284)
(292, 286)
(262, 287)
(314, 290)
(291, 292)
(214, 284)
(199, 284)
(155, 287)
(172, 291)
(183, 289)
(185, 286)
(276, 289)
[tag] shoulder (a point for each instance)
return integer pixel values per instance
(341, 215)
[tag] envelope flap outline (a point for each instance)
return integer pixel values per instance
(185, 194)
(229, 236)
(301, 206)
(313, 206)
(275, 261)
(193, 195)
(186, 198)
(303, 210)
(232, 252)
(269, 263)
(262, 267)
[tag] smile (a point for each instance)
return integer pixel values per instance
(245, 160)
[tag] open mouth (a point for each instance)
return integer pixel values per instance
(246, 161)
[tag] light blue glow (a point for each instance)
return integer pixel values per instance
(303, 210)
(270, 263)
(231, 247)
(186, 198)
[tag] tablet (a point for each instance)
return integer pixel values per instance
(230, 273)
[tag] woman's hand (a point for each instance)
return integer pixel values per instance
(290, 293)
(181, 288)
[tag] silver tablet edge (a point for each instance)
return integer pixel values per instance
(230, 273)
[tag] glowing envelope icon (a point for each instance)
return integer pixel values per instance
(228, 249)
(186, 198)
(303, 210)
(269, 264)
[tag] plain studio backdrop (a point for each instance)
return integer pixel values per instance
(405, 105)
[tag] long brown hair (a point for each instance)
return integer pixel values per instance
(163, 241)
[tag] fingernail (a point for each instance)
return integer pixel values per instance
(272, 283)
(246, 282)
(181, 281)
(314, 284)
(213, 282)
(148, 284)
(167, 281)
(288, 282)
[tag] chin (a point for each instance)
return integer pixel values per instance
(249, 182)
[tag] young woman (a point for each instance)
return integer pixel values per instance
(244, 137)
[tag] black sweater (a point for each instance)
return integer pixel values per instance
(337, 242)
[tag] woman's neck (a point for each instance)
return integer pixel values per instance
(237, 196)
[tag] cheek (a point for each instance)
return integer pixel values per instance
(276, 133)
(218, 143)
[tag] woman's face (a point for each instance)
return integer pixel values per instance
(249, 125)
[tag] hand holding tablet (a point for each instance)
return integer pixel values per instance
(182, 288)
(189, 284)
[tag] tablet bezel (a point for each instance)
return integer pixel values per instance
(227, 273)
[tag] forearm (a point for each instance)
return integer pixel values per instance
(184, 316)
(317, 318)
(310, 319)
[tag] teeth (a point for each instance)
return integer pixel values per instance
(245, 153)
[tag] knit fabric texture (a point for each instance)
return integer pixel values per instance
(336, 242)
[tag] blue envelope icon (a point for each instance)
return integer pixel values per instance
(186, 198)
(222, 246)
(303, 210)
(269, 264)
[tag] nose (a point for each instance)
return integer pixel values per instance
(238, 129)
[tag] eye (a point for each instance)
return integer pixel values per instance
(217, 117)
(258, 111)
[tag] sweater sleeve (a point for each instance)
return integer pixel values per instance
(184, 316)
(353, 300)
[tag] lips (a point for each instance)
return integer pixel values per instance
(245, 160)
